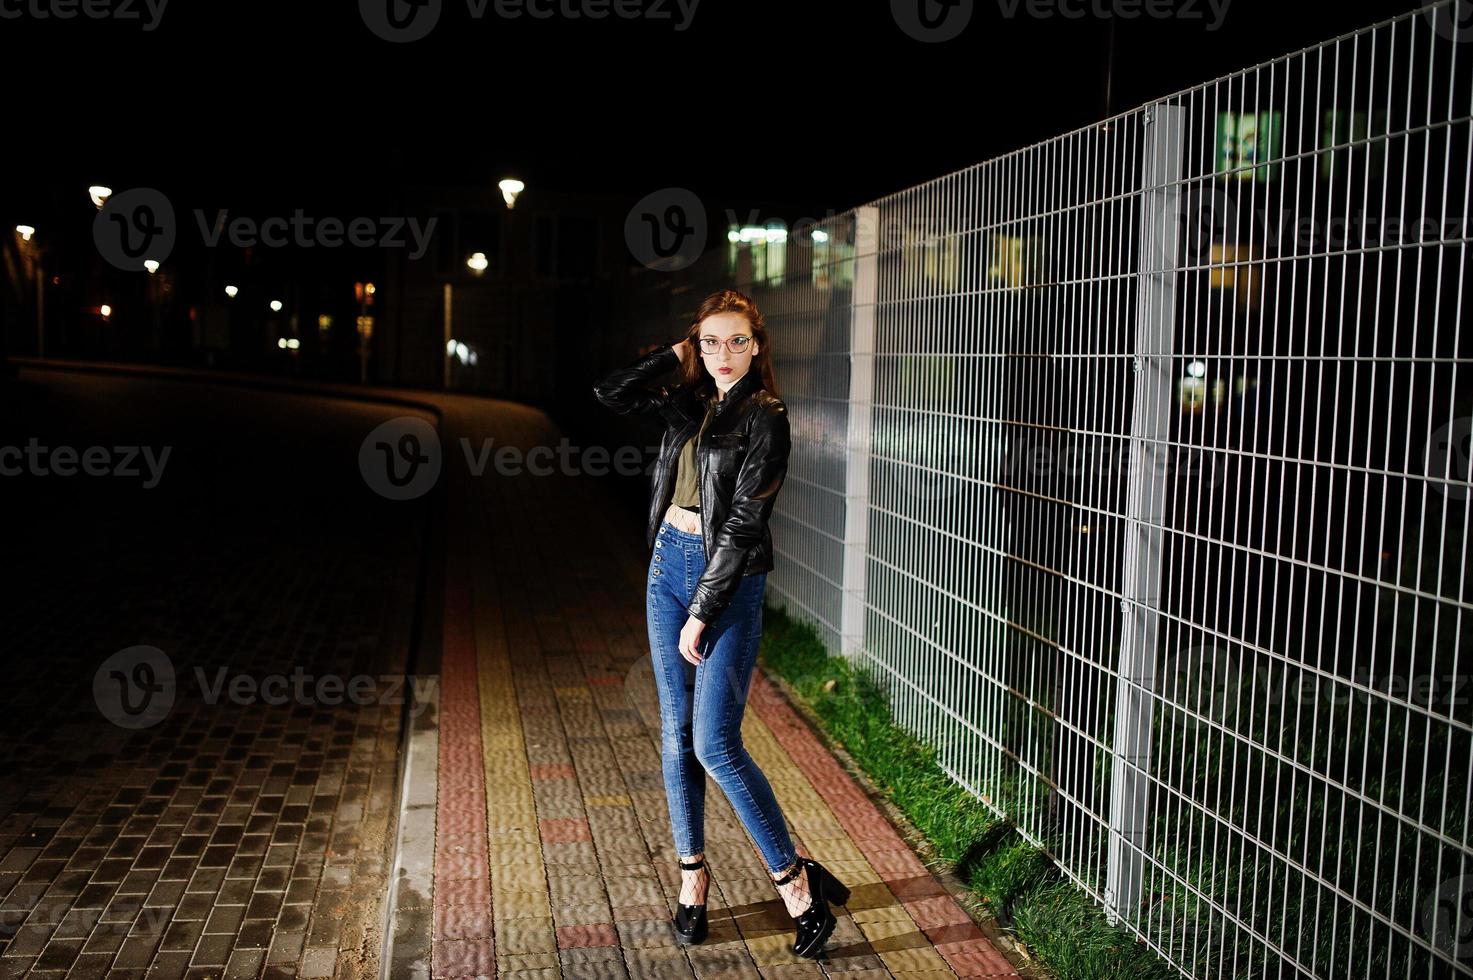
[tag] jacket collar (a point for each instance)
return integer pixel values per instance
(745, 385)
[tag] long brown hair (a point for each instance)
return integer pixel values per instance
(727, 301)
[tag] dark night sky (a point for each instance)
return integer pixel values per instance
(815, 105)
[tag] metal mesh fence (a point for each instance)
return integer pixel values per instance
(1134, 466)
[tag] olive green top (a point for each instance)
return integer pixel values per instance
(687, 473)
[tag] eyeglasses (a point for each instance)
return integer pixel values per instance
(710, 345)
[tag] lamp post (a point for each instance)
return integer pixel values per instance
(156, 286)
(364, 293)
(30, 251)
(448, 291)
(510, 188)
(478, 264)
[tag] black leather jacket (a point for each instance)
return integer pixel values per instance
(742, 456)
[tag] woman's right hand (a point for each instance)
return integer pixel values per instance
(687, 354)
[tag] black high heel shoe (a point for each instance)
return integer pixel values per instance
(818, 921)
(690, 920)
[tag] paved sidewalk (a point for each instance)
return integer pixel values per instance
(530, 837)
(552, 854)
(231, 836)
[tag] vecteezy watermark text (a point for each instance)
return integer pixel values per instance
(666, 229)
(401, 21)
(39, 460)
(123, 915)
(937, 21)
(401, 458)
(1123, 9)
(148, 12)
(301, 687)
(309, 232)
(140, 224)
(137, 687)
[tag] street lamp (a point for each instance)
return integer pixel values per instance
(31, 255)
(510, 188)
(364, 292)
(231, 291)
(99, 194)
(157, 285)
(276, 306)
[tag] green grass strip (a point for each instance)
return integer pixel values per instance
(1067, 933)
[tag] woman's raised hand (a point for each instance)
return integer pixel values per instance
(686, 352)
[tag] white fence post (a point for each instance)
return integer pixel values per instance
(858, 437)
(1150, 434)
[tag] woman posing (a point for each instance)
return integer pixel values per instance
(723, 458)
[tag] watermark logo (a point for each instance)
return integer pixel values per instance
(647, 684)
(666, 229)
(1212, 226)
(1447, 458)
(1208, 215)
(127, 915)
(1207, 678)
(312, 232)
(134, 688)
(135, 226)
(1089, 459)
(932, 21)
(1447, 918)
(38, 460)
(573, 460)
(938, 462)
(1435, 692)
(400, 21)
(139, 225)
(1204, 679)
(137, 688)
(1452, 20)
(889, 232)
(148, 13)
(330, 689)
(932, 462)
(401, 458)
(1186, 10)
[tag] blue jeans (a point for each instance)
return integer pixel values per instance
(701, 707)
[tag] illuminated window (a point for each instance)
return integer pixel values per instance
(1343, 142)
(1236, 267)
(766, 247)
(1014, 260)
(1246, 141)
